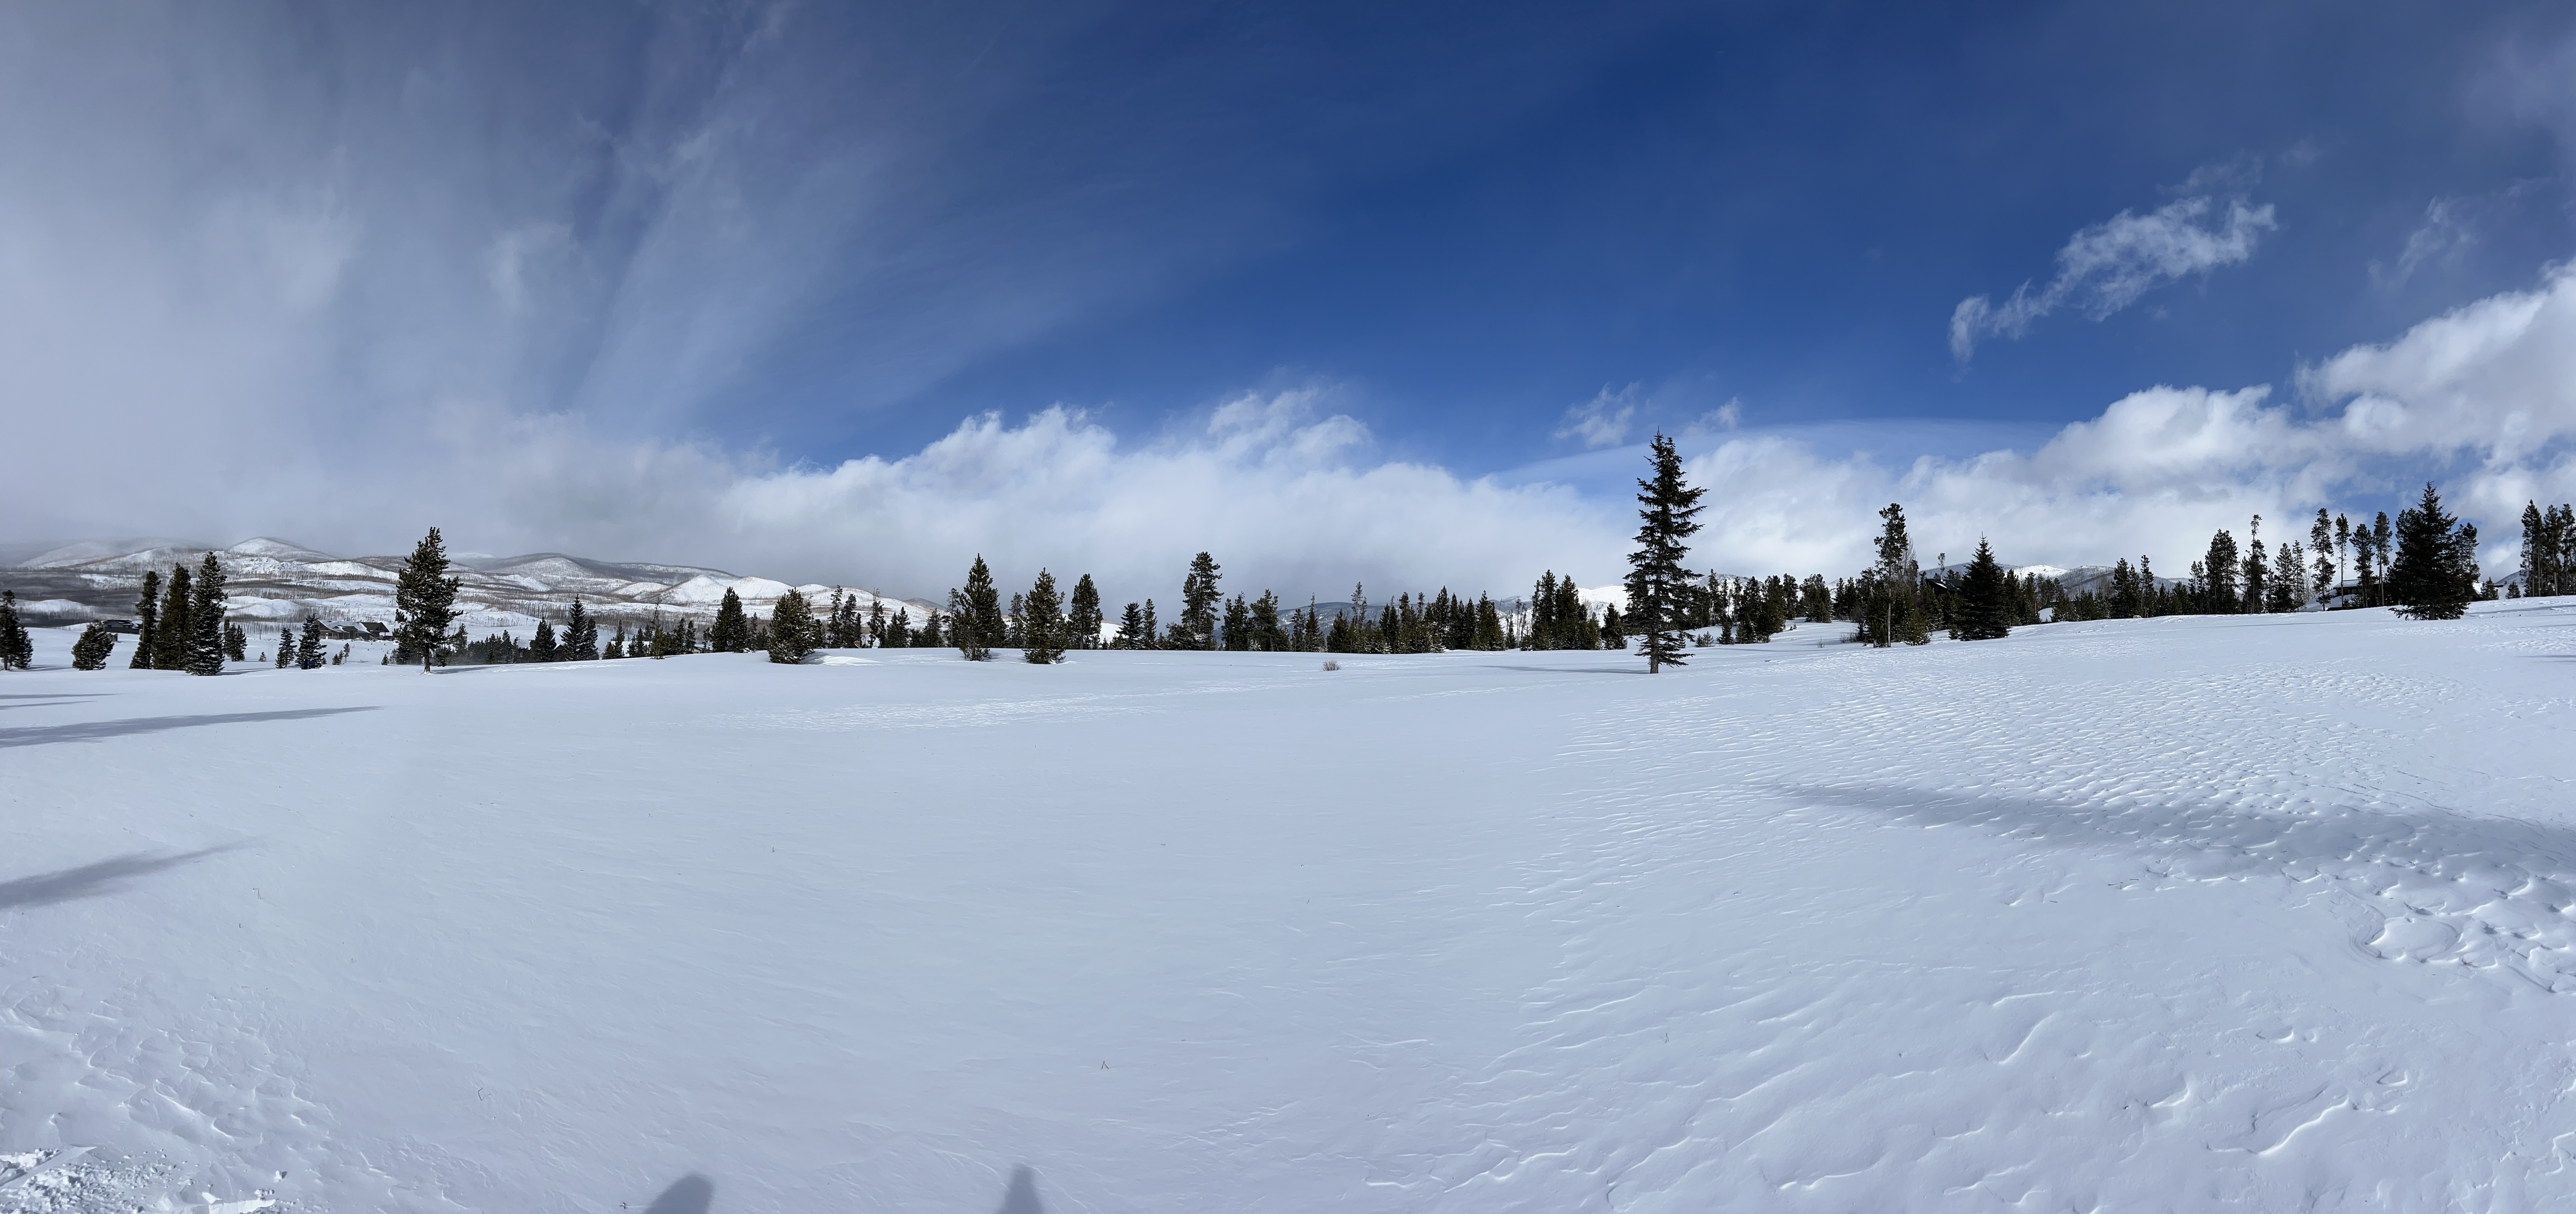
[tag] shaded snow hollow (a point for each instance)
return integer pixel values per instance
(2252, 912)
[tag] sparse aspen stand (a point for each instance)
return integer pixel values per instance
(424, 601)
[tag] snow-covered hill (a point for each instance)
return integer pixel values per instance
(278, 582)
(2195, 913)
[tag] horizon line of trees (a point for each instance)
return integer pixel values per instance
(2424, 564)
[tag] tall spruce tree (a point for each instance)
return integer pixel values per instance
(207, 620)
(2434, 575)
(1199, 600)
(1658, 583)
(581, 635)
(170, 646)
(285, 647)
(1082, 615)
(1131, 629)
(982, 614)
(147, 619)
(308, 649)
(1986, 609)
(541, 647)
(424, 601)
(731, 632)
(1042, 622)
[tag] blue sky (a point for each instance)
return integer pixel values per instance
(586, 277)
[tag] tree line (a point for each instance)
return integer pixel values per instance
(2423, 563)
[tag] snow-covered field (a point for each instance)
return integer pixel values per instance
(2269, 913)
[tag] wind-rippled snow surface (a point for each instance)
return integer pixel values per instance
(2267, 913)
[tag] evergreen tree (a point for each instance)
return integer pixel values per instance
(1238, 625)
(2342, 544)
(308, 650)
(147, 617)
(793, 632)
(1131, 629)
(2434, 575)
(541, 647)
(236, 643)
(206, 619)
(170, 647)
(90, 652)
(581, 636)
(1150, 638)
(2218, 576)
(933, 629)
(2257, 568)
(731, 632)
(1890, 607)
(2289, 578)
(899, 631)
(2321, 543)
(1082, 615)
(285, 647)
(1657, 581)
(1199, 599)
(616, 650)
(1267, 636)
(424, 601)
(1986, 608)
(977, 614)
(1042, 622)
(17, 649)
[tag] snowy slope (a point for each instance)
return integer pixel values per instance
(2263, 913)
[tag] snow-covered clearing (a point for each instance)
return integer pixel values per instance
(2266, 913)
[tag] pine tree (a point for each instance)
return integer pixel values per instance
(1264, 617)
(424, 601)
(1150, 638)
(977, 614)
(793, 632)
(2380, 539)
(206, 619)
(2434, 575)
(1042, 622)
(1657, 581)
(581, 636)
(1082, 615)
(286, 647)
(308, 650)
(731, 632)
(17, 649)
(1199, 599)
(1238, 625)
(147, 618)
(91, 650)
(2218, 576)
(1986, 609)
(899, 632)
(1131, 629)
(1890, 604)
(2321, 543)
(170, 645)
(541, 647)
(236, 643)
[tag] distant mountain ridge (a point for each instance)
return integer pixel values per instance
(277, 581)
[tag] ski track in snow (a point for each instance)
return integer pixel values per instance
(2260, 913)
